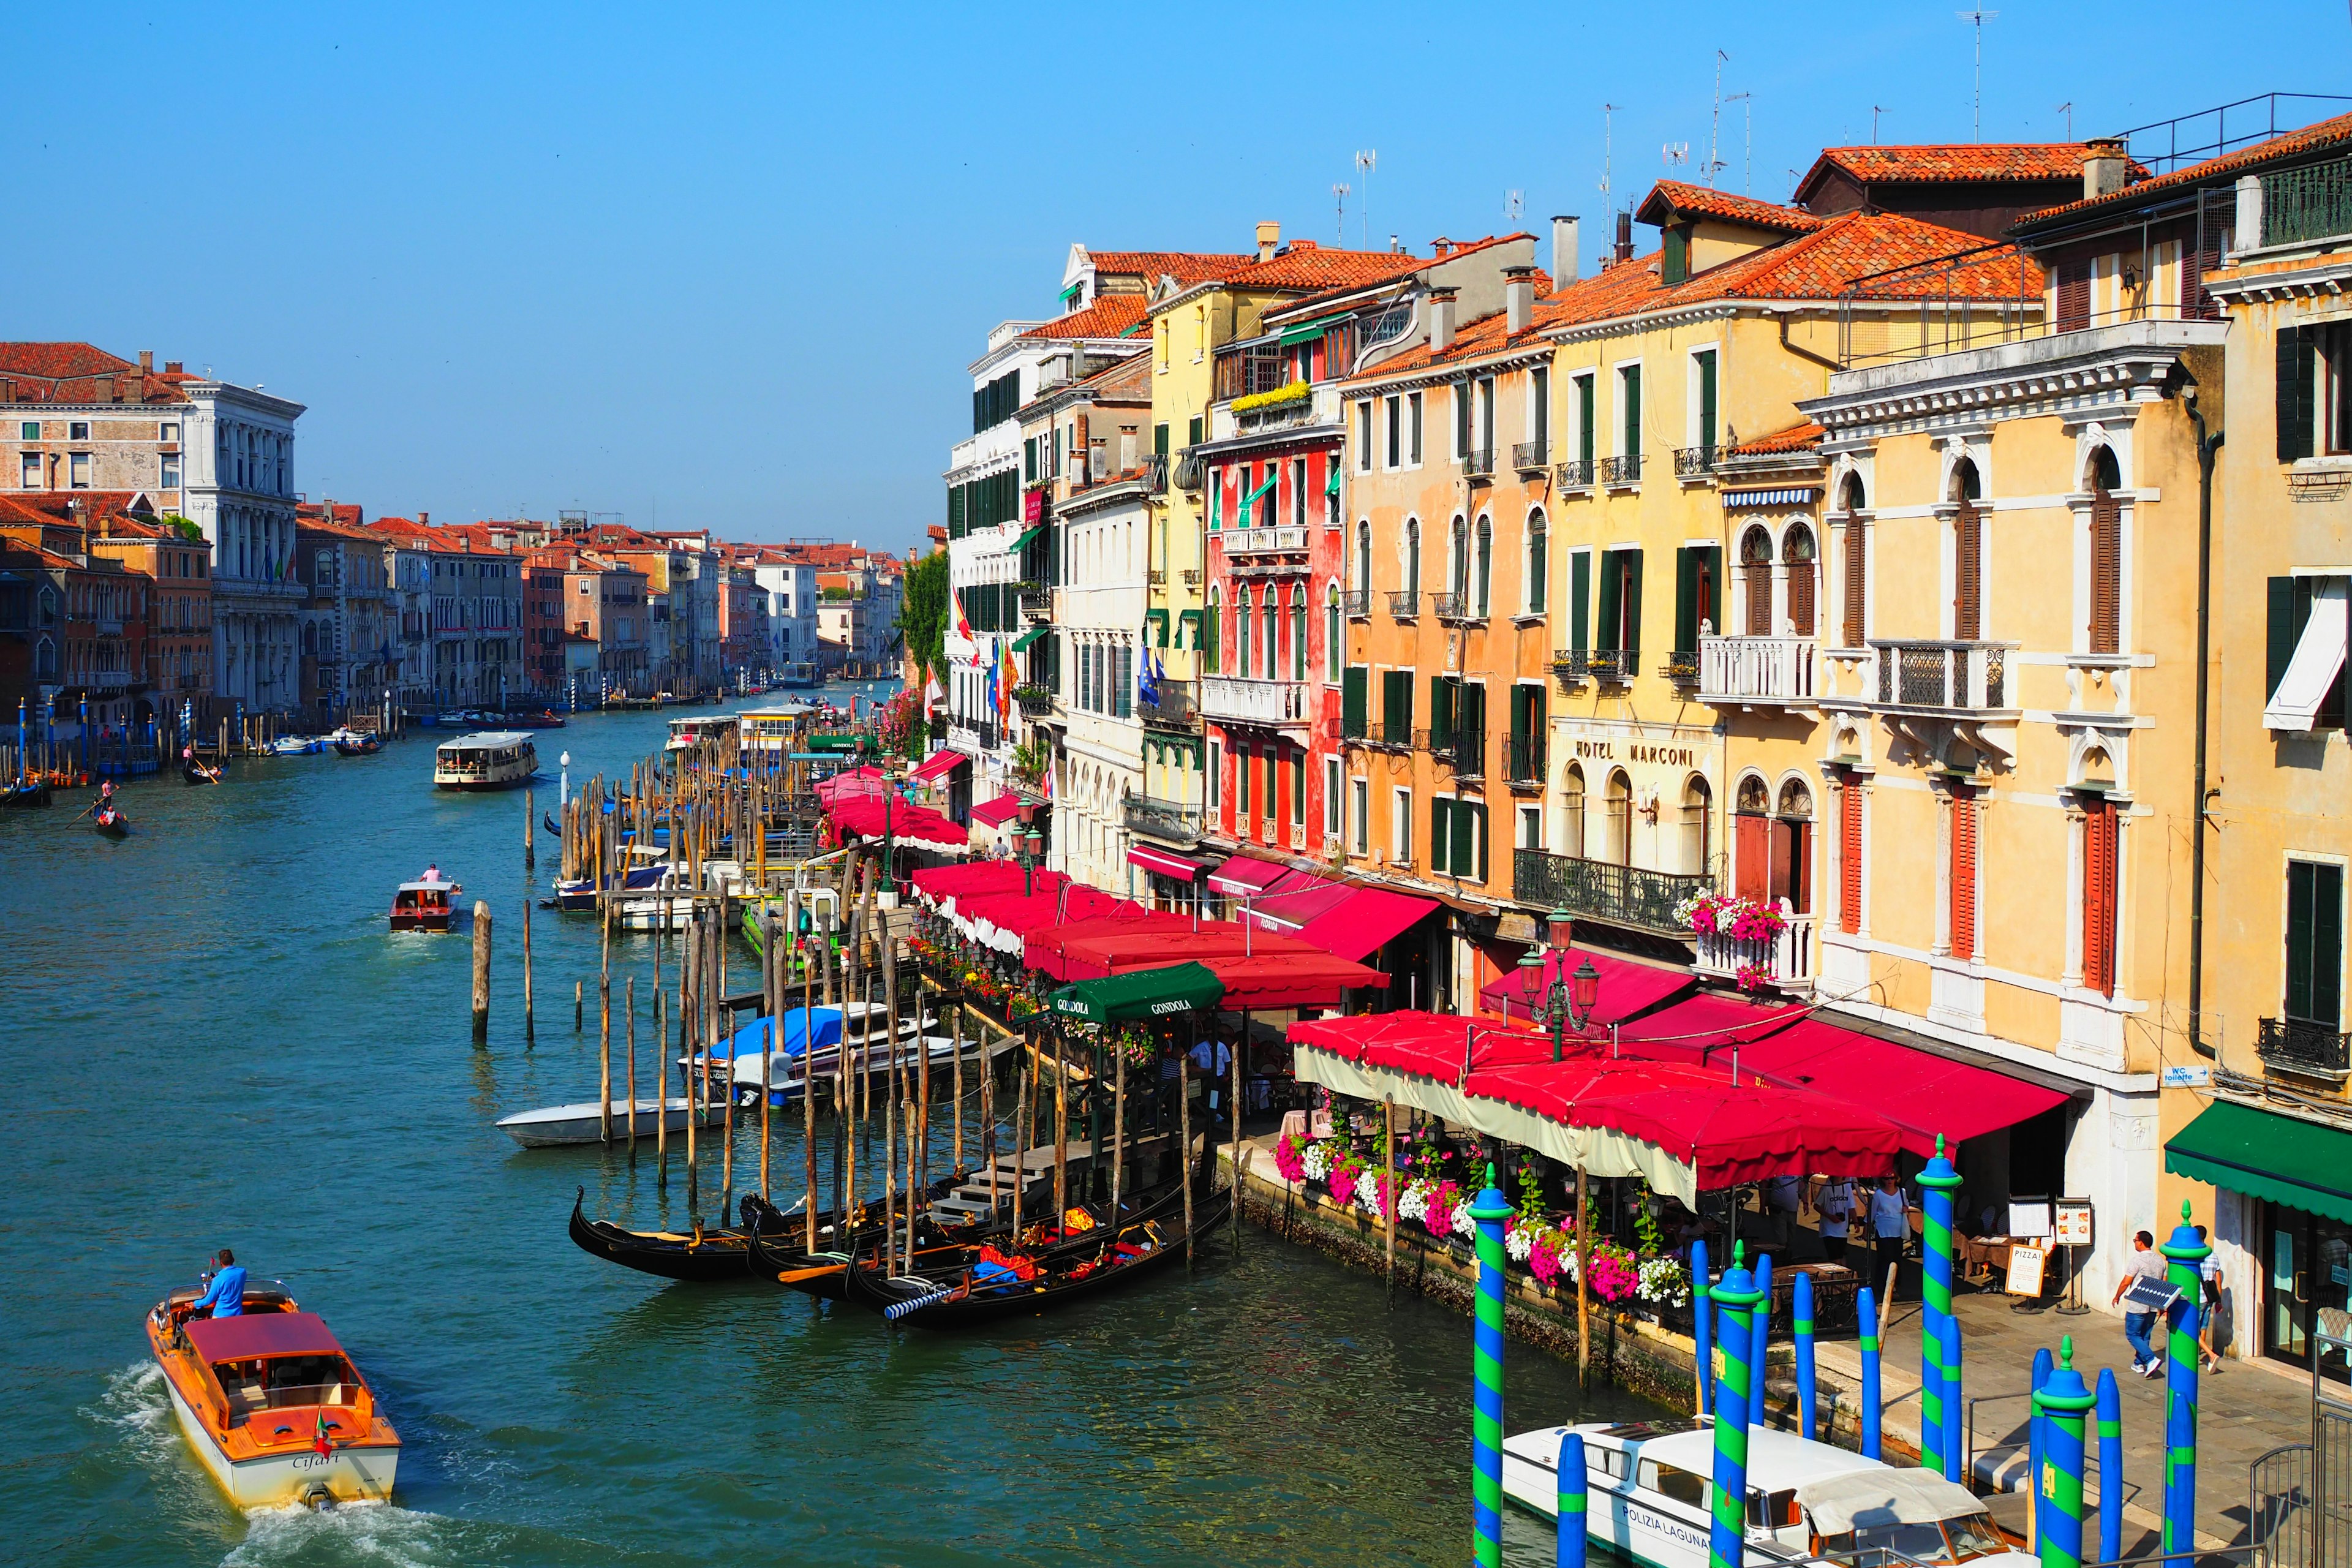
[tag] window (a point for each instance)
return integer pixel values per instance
(1797, 552)
(1629, 404)
(1856, 540)
(1584, 425)
(1242, 631)
(1968, 555)
(1333, 639)
(1332, 797)
(1364, 563)
(1457, 558)
(1213, 778)
(1539, 569)
(1297, 489)
(2106, 554)
(1539, 410)
(2305, 648)
(1211, 625)
(1698, 606)
(1963, 886)
(1361, 794)
(168, 431)
(1298, 786)
(1400, 827)
(1484, 578)
(1486, 431)
(1621, 601)
(1681, 1486)
(1617, 819)
(77, 430)
(1580, 600)
(1269, 621)
(1850, 869)
(1412, 423)
(1160, 440)
(1364, 437)
(1273, 780)
(1703, 398)
(31, 476)
(2315, 944)
(169, 472)
(1412, 555)
(77, 471)
(1531, 828)
(1792, 848)
(1298, 633)
(1394, 408)
(2101, 840)
(1697, 826)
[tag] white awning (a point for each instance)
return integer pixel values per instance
(2318, 659)
(1873, 1499)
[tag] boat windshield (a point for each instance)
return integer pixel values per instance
(282, 1383)
(1889, 1546)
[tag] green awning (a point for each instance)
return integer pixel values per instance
(1027, 539)
(2299, 1163)
(1306, 331)
(1333, 487)
(1142, 995)
(1021, 643)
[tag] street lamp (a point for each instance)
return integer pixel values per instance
(1559, 1001)
(1033, 851)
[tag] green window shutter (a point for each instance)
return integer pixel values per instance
(1029, 459)
(1208, 639)
(1462, 829)
(1673, 258)
(2314, 942)
(1160, 439)
(1353, 691)
(1706, 398)
(1584, 418)
(1711, 557)
(1461, 416)
(1579, 599)
(1298, 785)
(1630, 379)
(1242, 776)
(1439, 834)
(1612, 585)
(1479, 812)
(1441, 712)
(1193, 431)
(1631, 560)
(1470, 713)
(1520, 713)
(1686, 599)
(2297, 368)
(2281, 629)
(1273, 775)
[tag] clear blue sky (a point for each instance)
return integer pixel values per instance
(728, 265)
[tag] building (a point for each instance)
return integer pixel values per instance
(607, 604)
(85, 614)
(742, 622)
(177, 562)
(350, 638)
(790, 584)
(544, 626)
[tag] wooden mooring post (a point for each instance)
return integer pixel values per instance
(481, 970)
(526, 963)
(530, 831)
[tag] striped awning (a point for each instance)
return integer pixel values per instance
(1795, 495)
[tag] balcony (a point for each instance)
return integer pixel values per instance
(1530, 456)
(1576, 475)
(1479, 462)
(1680, 667)
(1155, 473)
(1454, 607)
(1693, 463)
(1289, 538)
(1396, 730)
(1190, 470)
(1246, 700)
(1523, 761)
(1627, 896)
(1962, 679)
(1178, 707)
(1757, 672)
(1176, 821)
(1035, 701)
(1784, 961)
(1036, 603)
(2301, 206)
(1465, 750)
(1625, 469)
(1356, 603)
(1572, 665)
(1158, 576)
(2304, 1049)
(1403, 603)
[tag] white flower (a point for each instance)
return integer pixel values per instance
(1318, 1160)
(1519, 1242)
(1662, 1281)
(1463, 1225)
(1368, 1194)
(1413, 1202)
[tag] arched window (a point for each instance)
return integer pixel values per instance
(1485, 570)
(1698, 816)
(1792, 848)
(1298, 633)
(1242, 631)
(1617, 825)
(1334, 642)
(1209, 628)
(2106, 553)
(1269, 620)
(1797, 552)
(1538, 568)
(1968, 555)
(1364, 557)
(1572, 811)
(1756, 578)
(1457, 559)
(1857, 558)
(1751, 838)
(1412, 556)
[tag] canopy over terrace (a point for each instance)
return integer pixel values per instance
(855, 783)
(1684, 1129)
(1626, 987)
(1260, 970)
(1179, 990)
(1005, 921)
(942, 886)
(872, 819)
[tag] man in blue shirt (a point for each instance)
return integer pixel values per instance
(224, 1297)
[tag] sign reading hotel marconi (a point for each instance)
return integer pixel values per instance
(1611, 751)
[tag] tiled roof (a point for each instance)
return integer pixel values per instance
(1854, 246)
(1111, 316)
(68, 373)
(1406, 264)
(1305, 265)
(1795, 438)
(2327, 134)
(1948, 163)
(1616, 291)
(1697, 201)
(1184, 266)
(348, 512)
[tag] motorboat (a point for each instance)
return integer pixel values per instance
(486, 759)
(753, 1060)
(557, 1126)
(545, 718)
(272, 1404)
(1649, 1488)
(580, 893)
(297, 745)
(424, 905)
(700, 729)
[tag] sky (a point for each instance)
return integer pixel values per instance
(727, 267)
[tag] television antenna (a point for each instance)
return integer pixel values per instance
(1366, 158)
(2067, 109)
(1340, 197)
(1977, 20)
(1875, 110)
(1714, 119)
(1747, 102)
(1674, 153)
(1514, 203)
(1608, 146)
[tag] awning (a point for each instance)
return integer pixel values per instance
(856, 784)
(1048, 951)
(1369, 921)
(1164, 863)
(1289, 906)
(1307, 332)
(1274, 980)
(254, 1334)
(1021, 643)
(2299, 1163)
(941, 885)
(1626, 988)
(1148, 994)
(1006, 920)
(938, 765)
(918, 825)
(1027, 537)
(998, 812)
(1245, 876)
(2318, 659)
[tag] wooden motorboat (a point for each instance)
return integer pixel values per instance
(423, 906)
(272, 1404)
(109, 821)
(487, 759)
(357, 745)
(297, 745)
(701, 1255)
(558, 1126)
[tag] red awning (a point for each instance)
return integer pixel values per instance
(1047, 950)
(1296, 903)
(1366, 921)
(944, 884)
(938, 765)
(1626, 987)
(915, 824)
(1289, 979)
(252, 1334)
(1245, 876)
(1921, 1094)
(858, 783)
(998, 812)
(1004, 921)
(1166, 864)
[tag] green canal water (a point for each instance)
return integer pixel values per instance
(213, 1040)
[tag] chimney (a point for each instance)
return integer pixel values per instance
(1269, 234)
(1440, 246)
(424, 520)
(1441, 319)
(2102, 166)
(1564, 261)
(1626, 236)
(147, 361)
(172, 367)
(1518, 298)
(1394, 248)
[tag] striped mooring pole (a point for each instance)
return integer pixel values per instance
(2044, 1363)
(1865, 1311)
(2186, 1254)
(1572, 1543)
(1759, 1337)
(1956, 1458)
(1727, 1535)
(1489, 1210)
(1938, 1182)
(1801, 1327)
(2109, 1411)
(2064, 1402)
(1702, 1330)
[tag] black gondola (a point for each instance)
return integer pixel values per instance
(192, 771)
(111, 822)
(358, 746)
(25, 795)
(546, 820)
(703, 1256)
(819, 1273)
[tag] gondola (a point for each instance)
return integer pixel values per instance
(546, 820)
(819, 1273)
(1025, 1285)
(700, 1256)
(24, 795)
(192, 771)
(358, 746)
(111, 822)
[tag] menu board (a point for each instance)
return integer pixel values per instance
(2074, 1222)
(2028, 1218)
(2026, 1262)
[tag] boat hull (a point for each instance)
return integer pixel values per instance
(539, 1130)
(481, 786)
(355, 1473)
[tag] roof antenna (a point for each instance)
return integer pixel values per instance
(1339, 195)
(1514, 203)
(1366, 160)
(1608, 149)
(2067, 109)
(1747, 102)
(1976, 19)
(1874, 113)
(1714, 120)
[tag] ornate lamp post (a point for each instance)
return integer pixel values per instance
(1561, 1002)
(1033, 851)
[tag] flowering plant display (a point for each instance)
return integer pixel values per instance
(1021, 1004)
(1347, 1171)
(1547, 1255)
(1373, 1194)
(1665, 1282)
(1615, 1275)
(1412, 1204)
(1290, 393)
(1726, 915)
(1437, 1213)
(1318, 1160)
(1519, 1238)
(1287, 1160)
(1752, 977)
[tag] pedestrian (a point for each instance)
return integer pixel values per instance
(1889, 1224)
(2209, 1312)
(1834, 1203)
(2147, 1263)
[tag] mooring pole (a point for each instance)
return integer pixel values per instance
(481, 970)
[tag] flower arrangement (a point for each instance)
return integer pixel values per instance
(1287, 1160)
(1518, 1238)
(1726, 915)
(1614, 1276)
(1753, 977)
(1373, 1194)
(1291, 393)
(1412, 1204)
(1548, 1257)
(1347, 1173)
(1663, 1282)
(1318, 1161)
(1437, 1214)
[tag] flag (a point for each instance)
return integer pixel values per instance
(1147, 684)
(955, 604)
(1000, 685)
(934, 697)
(993, 706)
(322, 1442)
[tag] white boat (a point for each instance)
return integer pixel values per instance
(1650, 1487)
(554, 1126)
(487, 759)
(297, 745)
(698, 729)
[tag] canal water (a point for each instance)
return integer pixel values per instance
(213, 1041)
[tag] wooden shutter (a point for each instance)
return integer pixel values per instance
(1685, 600)
(1850, 868)
(1707, 399)
(1801, 597)
(1967, 564)
(1478, 816)
(2106, 571)
(1964, 874)
(1354, 682)
(1579, 596)
(1710, 585)
(2099, 829)
(1759, 575)
(1630, 561)
(1470, 715)
(1439, 812)
(2297, 369)
(1612, 586)
(1584, 425)
(1857, 563)
(1272, 782)
(1751, 851)
(2074, 296)
(1441, 712)
(2281, 629)
(1462, 829)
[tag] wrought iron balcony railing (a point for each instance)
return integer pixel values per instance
(1523, 758)
(1465, 750)
(1176, 820)
(1743, 670)
(2307, 204)
(1452, 607)
(1394, 730)
(1403, 603)
(2304, 1049)
(1530, 456)
(1681, 664)
(1035, 701)
(1695, 462)
(1574, 475)
(1356, 603)
(1178, 706)
(1627, 896)
(1478, 460)
(1623, 469)
(1940, 676)
(1573, 664)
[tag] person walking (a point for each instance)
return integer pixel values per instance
(1888, 1216)
(1834, 1203)
(2147, 1263)
(2209, 1313)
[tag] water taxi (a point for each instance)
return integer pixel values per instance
(487, 759)
(1649, 1496)
(423, 906)
(776, 730)
(702, 729)
(272, 1404)
(797, 676)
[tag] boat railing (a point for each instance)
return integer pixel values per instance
(300, 1397)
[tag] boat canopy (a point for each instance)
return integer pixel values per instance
(250, 1335)
(427, 886)
(485, 739)
(1869, 1500)
(757, 1037)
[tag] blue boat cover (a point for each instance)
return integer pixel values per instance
(753, 1037)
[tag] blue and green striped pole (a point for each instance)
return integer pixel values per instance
(2058, 1491)
(1702, 1328)
(2186, 1254)
(2043, 1366)
(1801, 1316)
(1865, 1311)
(1570, 1549)
(1937, 1184)
(1956, 1458)
(1727, 1536)
(1759, 1332)
(2109, 1411)
(1490, 1210)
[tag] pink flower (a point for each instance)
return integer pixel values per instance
(1288, 1160)
(1343, 1184)
(1543, 1262)
(1438, 1220)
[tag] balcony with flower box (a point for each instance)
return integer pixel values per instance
(1757, 946)
(1248, 699)
(1631, 896)
(1758, 672)
(1574, 666)
(1035, 701)
(1178, 707)
(1622, 471)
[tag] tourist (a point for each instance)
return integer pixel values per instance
(2209, 1311)
(432, 873)
(1834, 1203)
(1889, 1227)
(224, 1297)
(2146, 1263)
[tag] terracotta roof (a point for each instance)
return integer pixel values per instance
(1112, 316)
(1947, 164)
(1406, 265)
(2316, 138)
(68, 373)
(1618, 290)
(1184, 266)
(349, 513)
(1305, 265)
(1670, 197)
(1795, 438)
(1854, 246)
